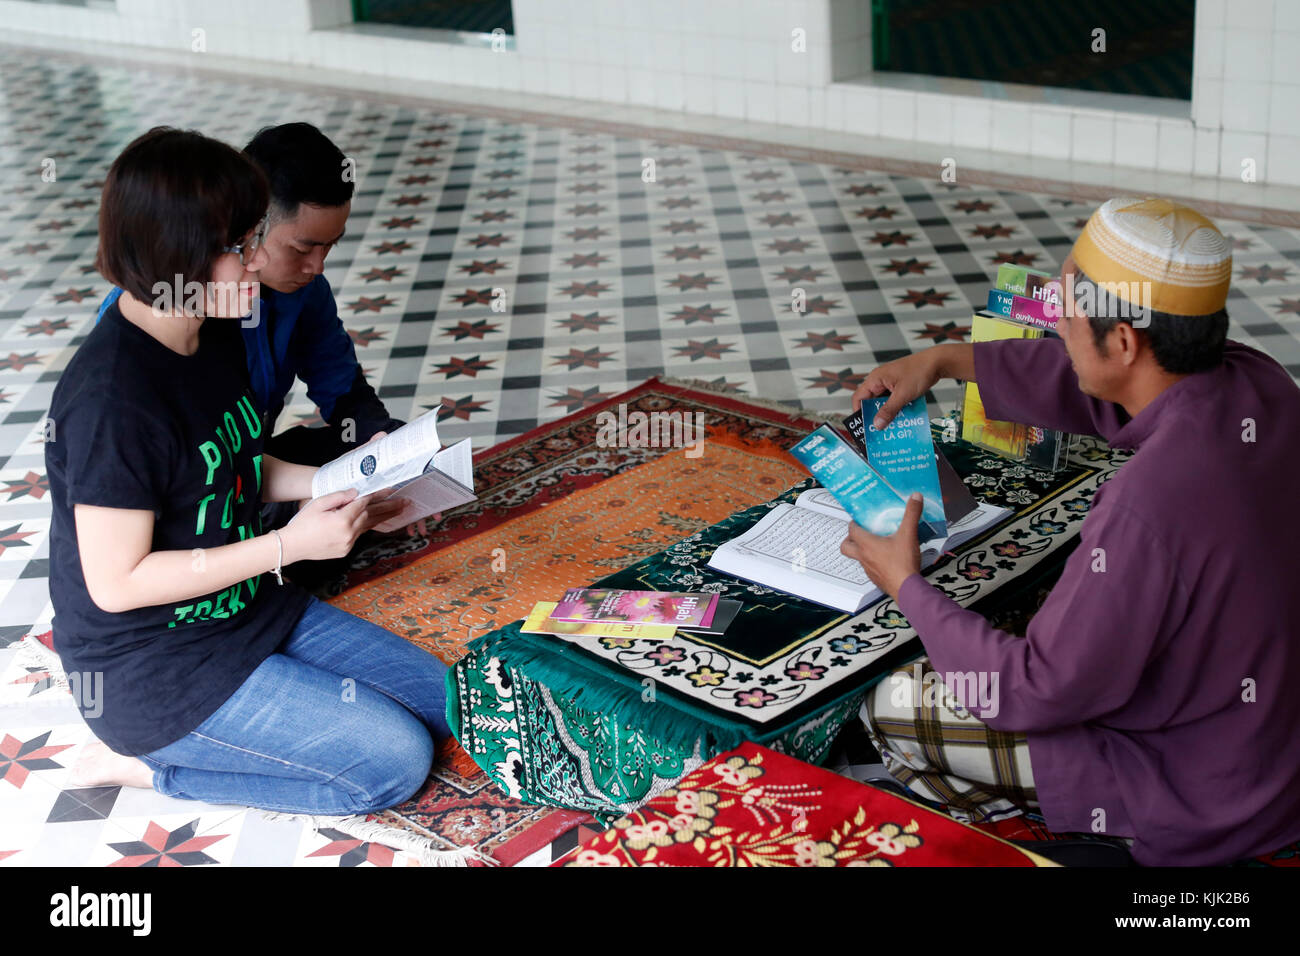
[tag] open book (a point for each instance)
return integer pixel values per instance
(413, 462)
(796, 549)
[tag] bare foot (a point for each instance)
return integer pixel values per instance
(100, 767)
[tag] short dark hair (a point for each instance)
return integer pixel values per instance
(171, 201)
(1181, 344)
(302, 165)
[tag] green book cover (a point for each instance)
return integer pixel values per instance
(1011, 278)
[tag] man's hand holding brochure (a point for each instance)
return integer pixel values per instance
(814, 548)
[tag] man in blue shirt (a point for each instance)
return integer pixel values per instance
(297, 332)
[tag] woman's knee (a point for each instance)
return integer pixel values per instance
(395, 765)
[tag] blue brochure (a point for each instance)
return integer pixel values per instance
(859, 488)
(999, 302)
(903, 453)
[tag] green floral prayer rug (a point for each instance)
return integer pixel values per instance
(603, 725)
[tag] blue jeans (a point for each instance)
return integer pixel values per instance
(343, 718)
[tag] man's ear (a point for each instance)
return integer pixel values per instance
(1125, 342)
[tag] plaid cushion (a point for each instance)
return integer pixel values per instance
(942, 752)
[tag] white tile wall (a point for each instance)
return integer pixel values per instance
(1010, 130)
(1248, 53)
(792, 105)
(666, 53)
(1205, 152)
(793, 68)
(815, 14)
(613, 83)
(835, 116)
(1286, 56)
(862, 111)
(1207, 103)
(699, 52)
(819, 65)
(586, 81)
(729, 96)
(817, 100)
(1208, 51)
(1246, 106)
(760, 101)
(934, 118)
(898, 114)
(1257, 14)
(1284, 110)
(1137, 143)
(972, 123)
(1049, 132)
(1210, 13)
(512, 78)
(849, 58)
(699, 95)
(732, 59)
(760, 60)
(1175, 145)
(1092, 137)
(670, 91)
(1235, 148)
(694, 18)
(641, 87)
(1284, 158)
(323, 14)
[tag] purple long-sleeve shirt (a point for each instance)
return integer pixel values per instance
(1164, 690)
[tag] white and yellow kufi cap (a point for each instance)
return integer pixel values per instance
(1182, 254)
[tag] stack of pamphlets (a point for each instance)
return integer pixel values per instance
(1025, 305)
(644, 615)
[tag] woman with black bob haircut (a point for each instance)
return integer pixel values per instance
(200, 673)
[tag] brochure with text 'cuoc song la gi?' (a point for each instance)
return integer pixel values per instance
(872, 500)
(903, 452)
(957, 500)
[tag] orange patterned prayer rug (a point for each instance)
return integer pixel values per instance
(755, 807)
(478, 584)
(557, 510)
(555, 460)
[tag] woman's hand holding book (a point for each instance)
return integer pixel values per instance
(328, 526)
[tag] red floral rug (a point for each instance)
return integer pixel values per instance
(755, 807)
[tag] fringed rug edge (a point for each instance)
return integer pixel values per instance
(422, 848)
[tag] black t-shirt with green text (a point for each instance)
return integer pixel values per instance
(138, 426)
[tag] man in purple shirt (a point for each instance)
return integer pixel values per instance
(1157, 686)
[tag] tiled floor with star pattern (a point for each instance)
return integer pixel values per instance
(511, 272)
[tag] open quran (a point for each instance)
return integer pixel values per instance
(796, 549)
